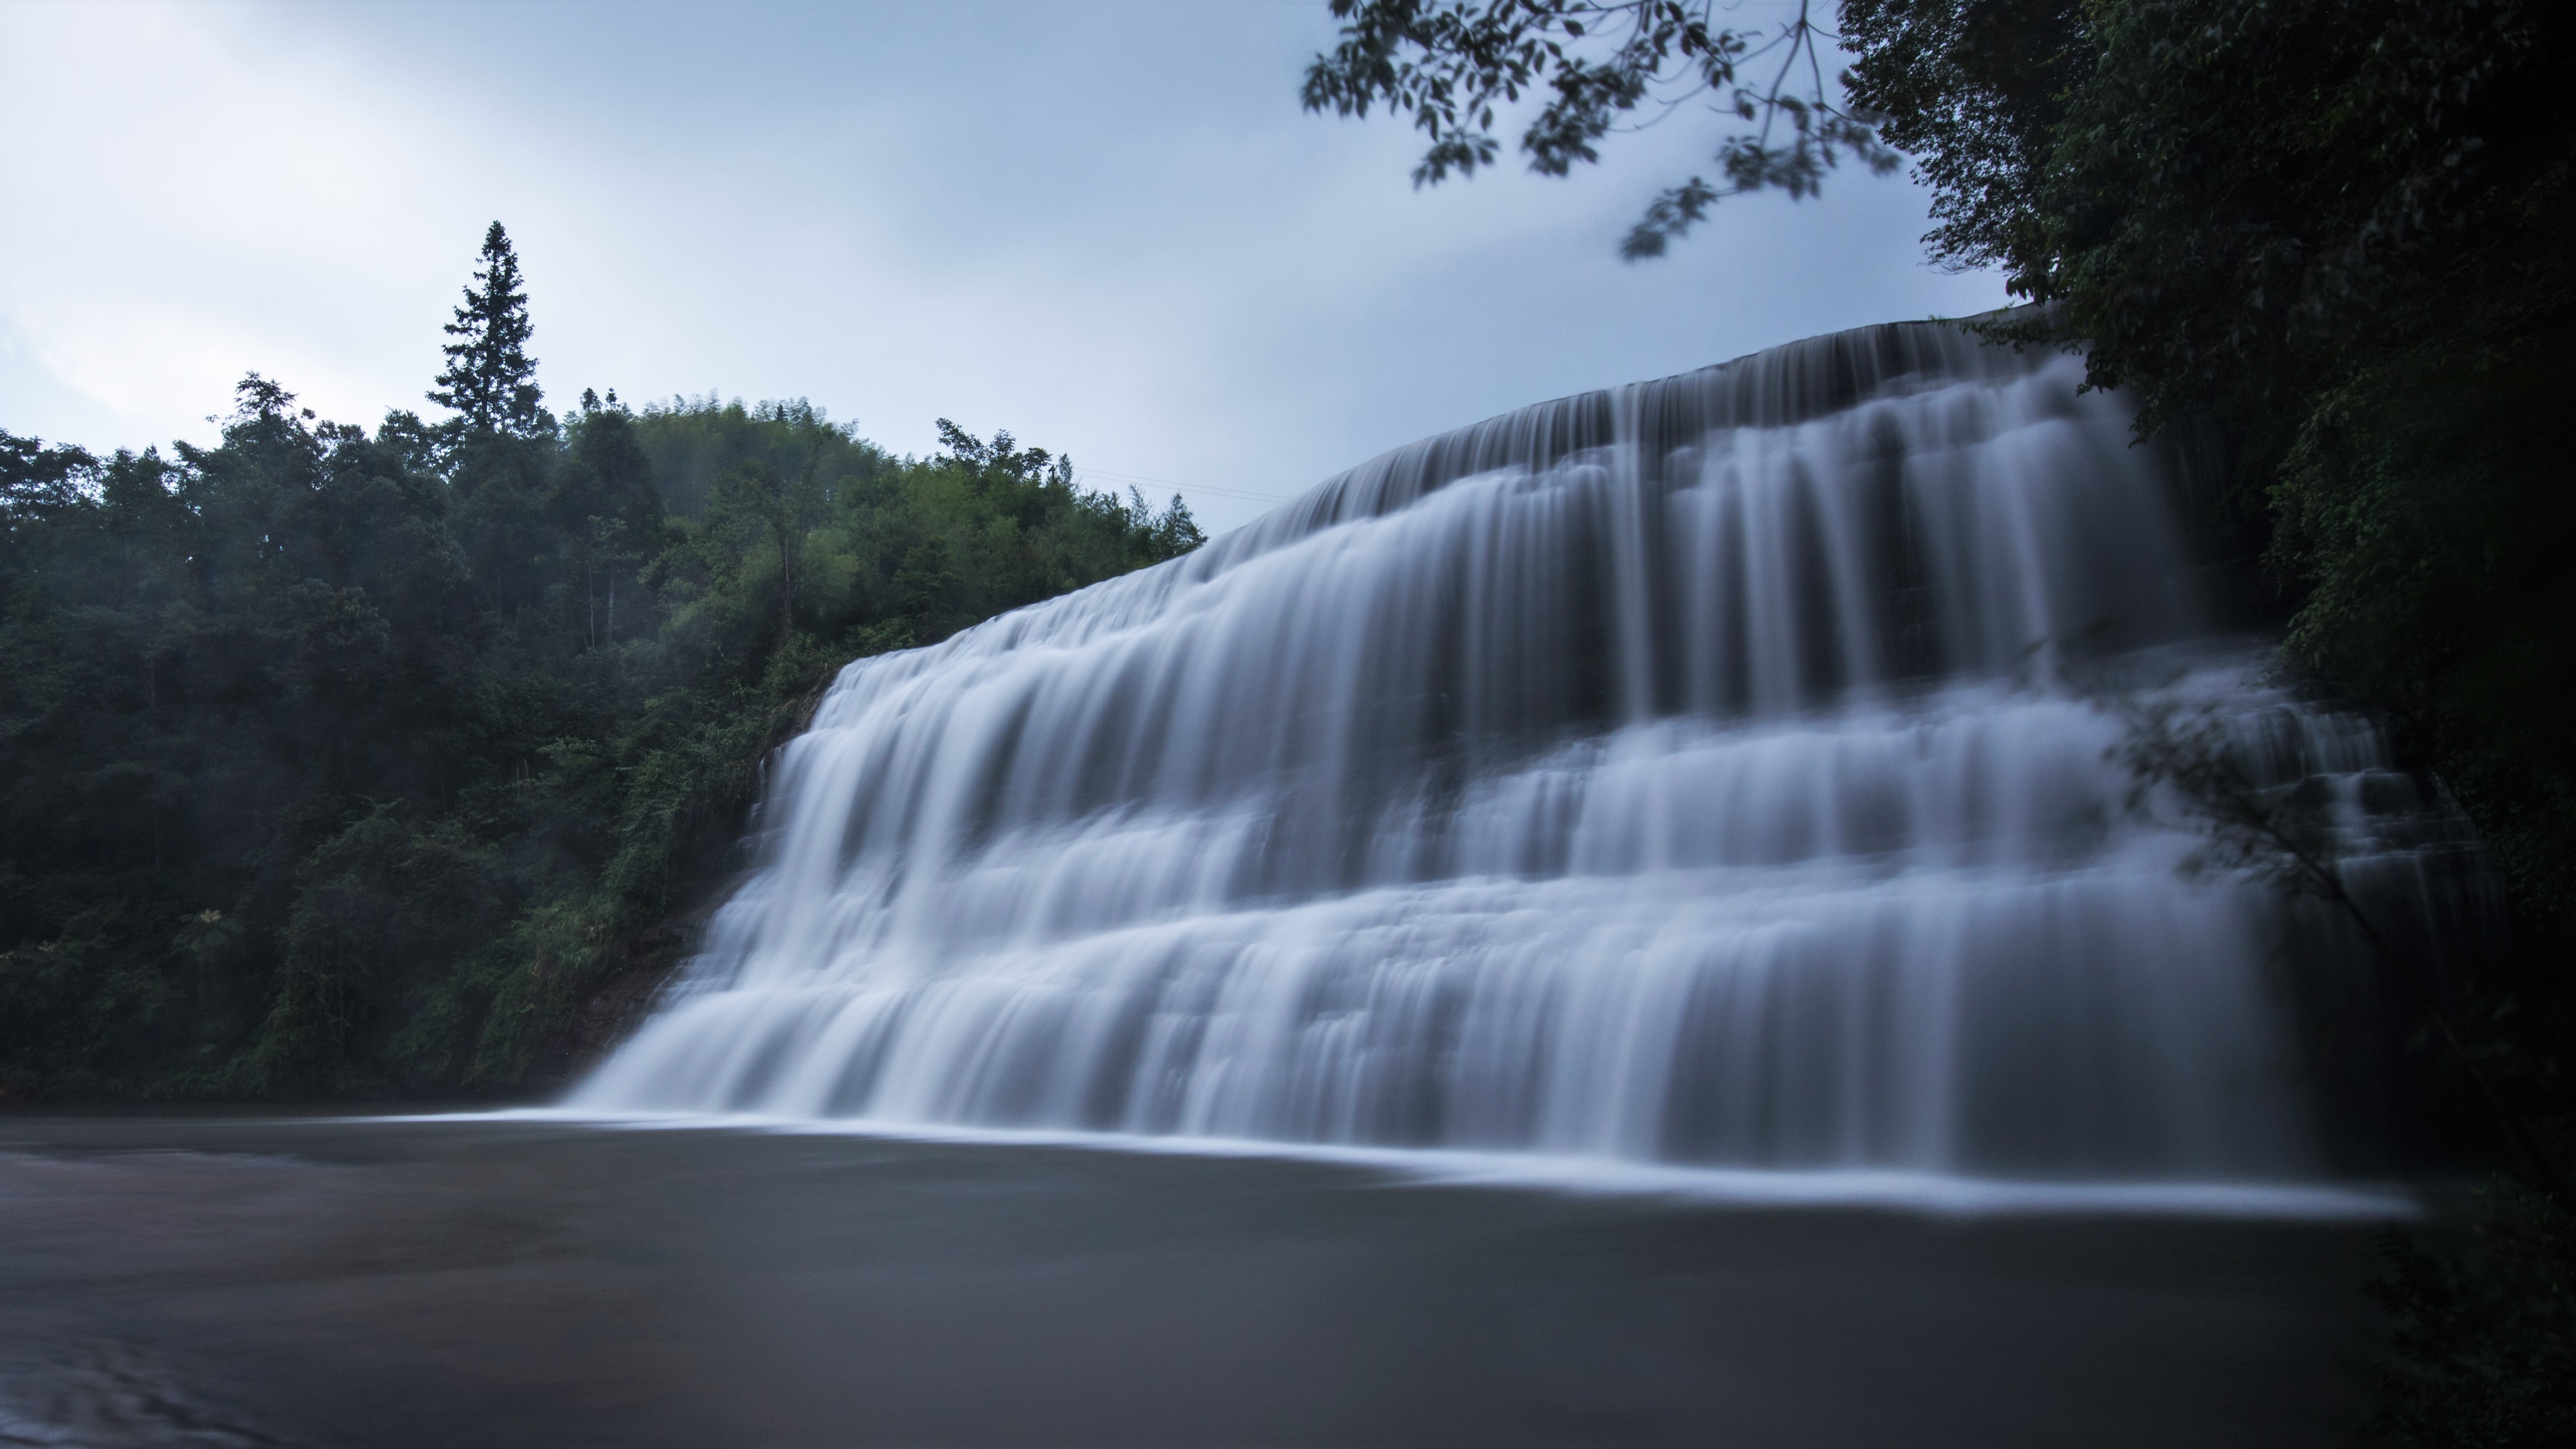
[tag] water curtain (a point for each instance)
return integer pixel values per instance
(1706, 771)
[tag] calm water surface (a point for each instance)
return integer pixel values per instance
(239, 1282)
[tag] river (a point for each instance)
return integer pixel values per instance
(239, 1281)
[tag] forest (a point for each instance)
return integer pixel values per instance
(338, 763)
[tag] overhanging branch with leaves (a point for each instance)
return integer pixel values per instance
(1599, 66)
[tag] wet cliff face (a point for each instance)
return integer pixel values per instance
(1689, 772)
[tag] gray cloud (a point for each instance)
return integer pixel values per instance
(1105, 226)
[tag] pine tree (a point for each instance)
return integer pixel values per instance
(490, 377)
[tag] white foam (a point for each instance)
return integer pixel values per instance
(1867, 1188)
(1688, 773)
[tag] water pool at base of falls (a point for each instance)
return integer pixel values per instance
(1934, 1194)
(1709, 777)
(410, 1283)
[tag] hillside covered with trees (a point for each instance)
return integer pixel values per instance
(349, 763)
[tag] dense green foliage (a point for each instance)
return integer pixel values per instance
(345, 763)
(2340, 230)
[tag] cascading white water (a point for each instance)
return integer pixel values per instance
(1684, 773)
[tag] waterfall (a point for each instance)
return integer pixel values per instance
(1698, 772)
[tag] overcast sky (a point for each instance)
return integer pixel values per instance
(1102, 224)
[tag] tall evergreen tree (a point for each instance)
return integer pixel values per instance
(490, 377)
